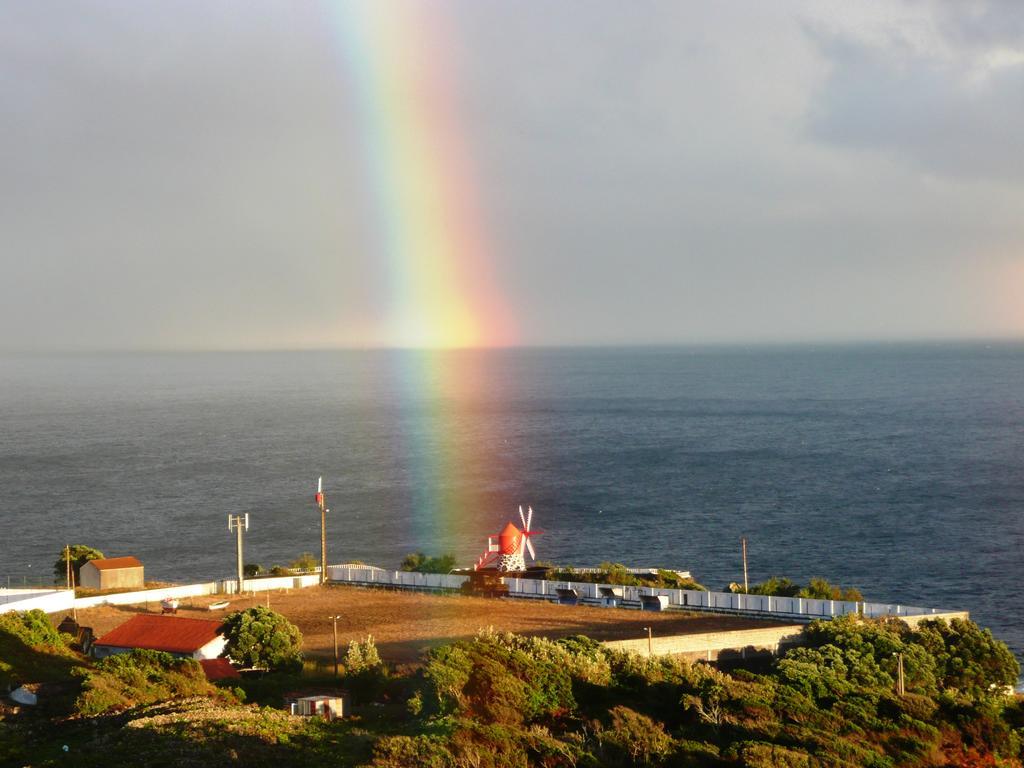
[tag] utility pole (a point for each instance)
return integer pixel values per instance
(67, 562)
(650, 640)
(746, 585)
(239, 524)
(335, 643)
(901, 680)
(321, 502)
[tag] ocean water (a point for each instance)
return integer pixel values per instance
(898, 469)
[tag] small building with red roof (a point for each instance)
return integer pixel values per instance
(189, 638)
(113, 573)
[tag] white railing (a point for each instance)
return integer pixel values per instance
(371, 576)
(792, 608)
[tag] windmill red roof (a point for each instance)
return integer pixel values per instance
(162, 633)
(509, 538)
(511, 546)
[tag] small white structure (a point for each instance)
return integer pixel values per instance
(189, 638)
(328, 707)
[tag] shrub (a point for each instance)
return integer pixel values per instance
(764, 755)
(446, 674)
(365, 673)
(252, 570)
(261, 638)
(33, 628)
(777, 586)
(820, 589)
(31, 650)
(636, 736)
(139, 677)
(305, 562)
(967, 657)
(420, 563)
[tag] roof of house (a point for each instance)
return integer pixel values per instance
(113, 563)
(218, 669)
(162, 633)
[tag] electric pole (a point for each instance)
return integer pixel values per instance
(321, 502)
(239, 524)
(746, 586)
(335, 643)
(67, 560)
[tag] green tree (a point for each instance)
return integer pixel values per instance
(80, 555)
(305, 562)
(777, 586)
(252, 570)
(421, 563)
(967, 657)
(264, 639)
(821, 589)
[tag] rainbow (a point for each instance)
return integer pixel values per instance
(443, 298)
(397, 59)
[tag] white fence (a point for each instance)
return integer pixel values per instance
(47, 600)
(790, 608)
(224, 587)
(369, 575)
(54, 601)
(799, 608)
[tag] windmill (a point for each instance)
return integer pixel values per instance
(508, 553)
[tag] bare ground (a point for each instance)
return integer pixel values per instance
(404, 624)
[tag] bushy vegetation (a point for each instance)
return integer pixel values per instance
(816, 589)
(618, 574)
(305, 562)
(31, 650)
(421, 563)
(262, 639)
(79, 555)
(501, 700)
(832, 702)
(128, 680)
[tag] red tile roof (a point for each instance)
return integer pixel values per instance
(113, 563)
(162, 633)
(218, 669)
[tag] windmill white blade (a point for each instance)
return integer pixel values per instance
(320, 484)
(521, 516)
(529, 517)
(529, 546)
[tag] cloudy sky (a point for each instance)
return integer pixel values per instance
(217, 174)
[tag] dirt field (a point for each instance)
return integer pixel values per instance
(404, 624)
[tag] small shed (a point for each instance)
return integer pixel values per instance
(653, 602)
(328, 707)
(567, 596)
(113, 573)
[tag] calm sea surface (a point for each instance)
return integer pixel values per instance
(897, 469)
